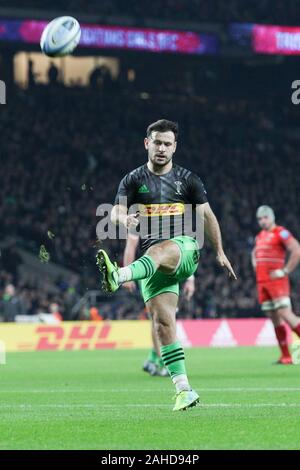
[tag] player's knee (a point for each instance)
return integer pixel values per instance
(161, 327)
(156, 254)
(284, 312)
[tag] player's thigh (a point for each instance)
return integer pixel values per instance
(279, 290)
(265, 298)
(166, 254)
(159, 283)
(190, 255)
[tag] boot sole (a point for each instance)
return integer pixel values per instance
(191, 405)
(103, 270)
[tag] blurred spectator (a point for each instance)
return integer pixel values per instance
(95, 315)
(54, 310)
(53, 74)
(31, 74)
(265, 11)
(10, 304)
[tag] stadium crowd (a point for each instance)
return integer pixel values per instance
(257, 11)
(64, 158)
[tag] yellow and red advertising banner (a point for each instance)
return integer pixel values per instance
(134, 334)
(75, 336)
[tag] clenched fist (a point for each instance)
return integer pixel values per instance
(132, 221)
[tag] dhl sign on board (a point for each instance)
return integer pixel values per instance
(75, 336)
(134, 334)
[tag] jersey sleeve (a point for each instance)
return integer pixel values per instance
(127, 188)
(197, 191)
(284, 236)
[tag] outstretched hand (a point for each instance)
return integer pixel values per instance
(189, 289)
(224, 262)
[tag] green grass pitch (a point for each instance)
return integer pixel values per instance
(102, 400)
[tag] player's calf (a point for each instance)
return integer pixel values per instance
(163, 308)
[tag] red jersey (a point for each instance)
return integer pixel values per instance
(270, 251)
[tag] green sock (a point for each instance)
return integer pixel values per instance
(142, 268)
(152, 356)
(173, 358)
(160, 362)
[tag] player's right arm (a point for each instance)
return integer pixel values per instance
(292, 246)
(130, 249)
(119, 215)
(124, 199)
(129, 256)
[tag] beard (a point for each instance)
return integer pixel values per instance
(160, 160)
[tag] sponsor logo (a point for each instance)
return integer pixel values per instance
(153, 210)
(223, 337)
(133, 334)
(284, 234)
(143, 189)
(79, 337)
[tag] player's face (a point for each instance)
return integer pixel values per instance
(161, 146)
(264, 222)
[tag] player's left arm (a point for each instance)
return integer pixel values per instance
(198, 196)
(213, 232)
(293, 248)
(189, 287)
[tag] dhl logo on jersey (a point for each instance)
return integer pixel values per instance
(152, 210)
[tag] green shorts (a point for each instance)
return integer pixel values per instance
(160, 283)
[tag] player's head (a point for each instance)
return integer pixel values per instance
(161, 141)
(265, 217)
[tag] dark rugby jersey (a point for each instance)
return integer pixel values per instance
(161, 201)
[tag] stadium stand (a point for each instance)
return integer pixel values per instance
(68, 166)
(257, 11)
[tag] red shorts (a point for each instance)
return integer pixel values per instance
(271, 290)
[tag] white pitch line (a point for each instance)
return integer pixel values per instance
(144, 405)
(153, 390)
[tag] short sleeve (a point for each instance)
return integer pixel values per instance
(127, 188)
(197, 191)
(284, 235)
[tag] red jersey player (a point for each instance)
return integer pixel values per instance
(268, 258)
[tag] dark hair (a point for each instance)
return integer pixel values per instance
(163, 125)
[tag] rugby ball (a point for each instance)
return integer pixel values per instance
(60, 37)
